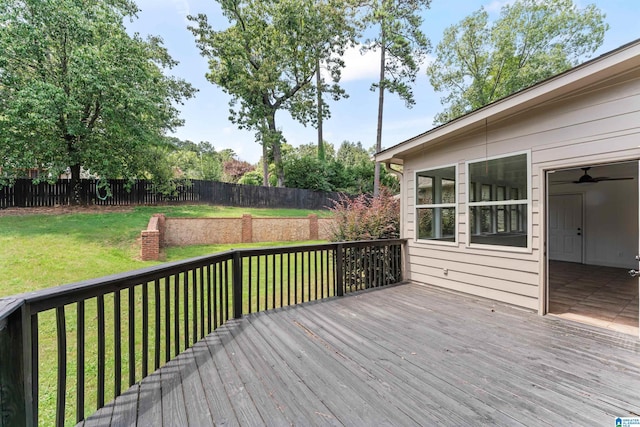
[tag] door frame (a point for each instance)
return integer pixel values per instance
(544, 174)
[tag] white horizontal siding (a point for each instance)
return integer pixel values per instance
(462, 256)
(495, 294)
(471, 276)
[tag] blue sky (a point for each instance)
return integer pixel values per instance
(353, 119)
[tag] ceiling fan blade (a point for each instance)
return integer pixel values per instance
(588, 179)
(606, 178)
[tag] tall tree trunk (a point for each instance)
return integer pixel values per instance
(265, 163)
(76, 185)
(376, 176)
(321, 153)
(275, 139)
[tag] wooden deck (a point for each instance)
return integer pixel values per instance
(404, 355)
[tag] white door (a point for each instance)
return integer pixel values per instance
(565, 227)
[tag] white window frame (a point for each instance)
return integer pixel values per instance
(520, 202)
(453, 205)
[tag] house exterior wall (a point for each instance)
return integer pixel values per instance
(598, 124)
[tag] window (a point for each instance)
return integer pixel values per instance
(498, 201)
(436, 204)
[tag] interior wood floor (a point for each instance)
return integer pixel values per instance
(407, 355)
(602, 296)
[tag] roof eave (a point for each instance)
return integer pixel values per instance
(616, 61)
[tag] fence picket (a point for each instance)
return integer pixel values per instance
(24, 193)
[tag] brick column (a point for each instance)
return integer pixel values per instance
(247, 228)
(313, 227)
(150, 248)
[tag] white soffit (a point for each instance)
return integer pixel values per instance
(618, 61)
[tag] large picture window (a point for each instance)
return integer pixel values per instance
(436, 204)
(498, 201)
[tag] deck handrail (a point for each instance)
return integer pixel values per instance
(176, 304)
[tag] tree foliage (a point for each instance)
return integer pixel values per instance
(234, 169)
(350, 171)
(478, 62)
(192, 160)
(267, 58)
(403, 47)
(253, 177)
(77, 90)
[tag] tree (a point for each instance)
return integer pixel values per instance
(77, 91)
(253, 177)
(307, 172)
(234, 169)
(351, 171)
(312, 151)
(403, 47)
(195, 161)
(341, 14)
(478, 62)
(266, 61)
(352, 153)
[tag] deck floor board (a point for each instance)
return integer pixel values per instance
(173, 400)
(222, 412)
(197, 405)
(459, 360)
(150, 403)
(242, 403)
(346, 398)
(404, 355)
(391, 367)
(292, 395)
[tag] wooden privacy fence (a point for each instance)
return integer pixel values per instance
(85, 342)
(25, 193)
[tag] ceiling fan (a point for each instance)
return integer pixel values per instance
(588, 179)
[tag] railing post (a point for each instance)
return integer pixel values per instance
(13, 405)
(237, 285)
(403, 262)
(339, 270)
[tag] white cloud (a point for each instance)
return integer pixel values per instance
(167, 7)
(360, 66)
(182, 6)
(366, 66)
(496, 5)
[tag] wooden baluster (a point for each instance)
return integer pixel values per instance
(62, 365)
(101, 352)
(117, 344)
(132, 337)
(80, 334)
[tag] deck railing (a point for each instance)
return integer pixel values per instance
(83, 341)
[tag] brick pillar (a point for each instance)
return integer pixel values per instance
(247, 228)
(150, 248)
(313, 227)
(161, 228)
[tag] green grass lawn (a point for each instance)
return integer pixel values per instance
(40, 251)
